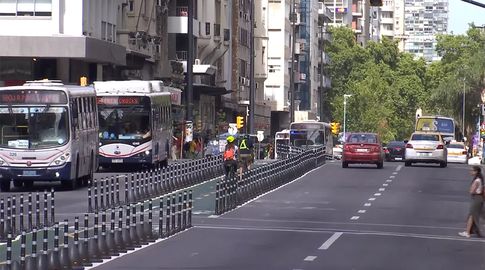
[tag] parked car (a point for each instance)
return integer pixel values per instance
(395, 150)
(457, 153)
(426, 147)
(363, 148)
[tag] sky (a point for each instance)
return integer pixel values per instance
(462, 13)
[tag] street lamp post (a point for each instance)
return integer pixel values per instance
(463, 116)
(345, 113)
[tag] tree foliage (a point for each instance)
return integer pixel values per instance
(388, 86)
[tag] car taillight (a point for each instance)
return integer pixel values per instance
(464, 152)
(440, 146)
(375, 149)
(387, 151)
(409, 145)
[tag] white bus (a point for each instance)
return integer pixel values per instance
(281, 138)
(135, 124)
(311, 133)
(48, 132)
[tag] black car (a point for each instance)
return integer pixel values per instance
(395, 150)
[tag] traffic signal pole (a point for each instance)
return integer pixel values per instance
(252, 82)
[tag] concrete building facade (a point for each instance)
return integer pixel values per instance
(423, 20)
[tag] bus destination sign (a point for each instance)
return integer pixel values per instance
(32, 97)
(118, 100)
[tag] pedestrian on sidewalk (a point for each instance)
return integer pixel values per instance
(476, 203)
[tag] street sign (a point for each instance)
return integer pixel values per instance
(260, 135)
(232, 129)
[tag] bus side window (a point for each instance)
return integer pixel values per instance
(88, 112)
(75, 116)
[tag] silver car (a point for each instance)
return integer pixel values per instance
(426, 147)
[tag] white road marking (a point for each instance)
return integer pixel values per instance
(389, 180)
(354, 218)
(361, 211)
(206, 195)
(392, 176)
(367, 204)
(330, 241)
(385, 184)
(308, 207)
(377, 194)
(310, 258)
(382, 189)
(399, 168)
(198, 198)
(394, 173)
(372, 199)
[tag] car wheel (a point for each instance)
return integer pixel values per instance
(407, 163)
(443, 164)
(345, 164)
(380, 165)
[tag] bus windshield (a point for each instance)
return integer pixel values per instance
(124, 123)
(36, 127)
(310, 136)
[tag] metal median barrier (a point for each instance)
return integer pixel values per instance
(105, 193)
(232, 192)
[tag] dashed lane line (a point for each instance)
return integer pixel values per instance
(362, 211)
(377, 194)
(354, 218)
(367, 204)
(392, 176)
(372, 199)
(326, 245)
(382, 189)
(310, 258)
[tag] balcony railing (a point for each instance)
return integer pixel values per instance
(181, 55)
(182, 11)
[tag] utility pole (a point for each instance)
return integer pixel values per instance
(292, 73)
(252, 82)
(190, 60)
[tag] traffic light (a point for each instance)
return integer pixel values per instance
(83, 81)
(239, 122)
(335, 128)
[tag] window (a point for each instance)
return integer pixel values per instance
(207, 28)
(131, 6)
(25, 7)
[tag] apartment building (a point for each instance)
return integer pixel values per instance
(324, 82)
(277, 85)
(59, 40)
(423, 20)
(354, 14)
(222, 59)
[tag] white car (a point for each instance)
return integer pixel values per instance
(457, 153)
(426, 147)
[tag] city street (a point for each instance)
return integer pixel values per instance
(333, 218)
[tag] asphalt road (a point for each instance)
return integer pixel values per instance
(333, 218)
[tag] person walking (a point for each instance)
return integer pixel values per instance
(476, 203)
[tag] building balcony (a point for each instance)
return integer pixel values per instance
(178, 24)
(387, 33)
(325, 58)
(357, 9)
(324, 10)
(387, 21)
(300, 77)
(325, 36)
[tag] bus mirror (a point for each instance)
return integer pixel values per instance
(406, 141)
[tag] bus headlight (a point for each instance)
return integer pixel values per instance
(60, 160)
(3, 163)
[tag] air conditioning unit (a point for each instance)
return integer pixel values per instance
(248, 82)
(197, 61)
(241, 80)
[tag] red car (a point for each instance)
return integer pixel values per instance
(363, 148)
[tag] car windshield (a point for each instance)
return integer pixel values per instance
(33, 127)
(306, 137)
(425, 137)
(362, 138)
(458, 146)
(124, 123)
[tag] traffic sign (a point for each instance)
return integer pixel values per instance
(260, 135)
(232, 129)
